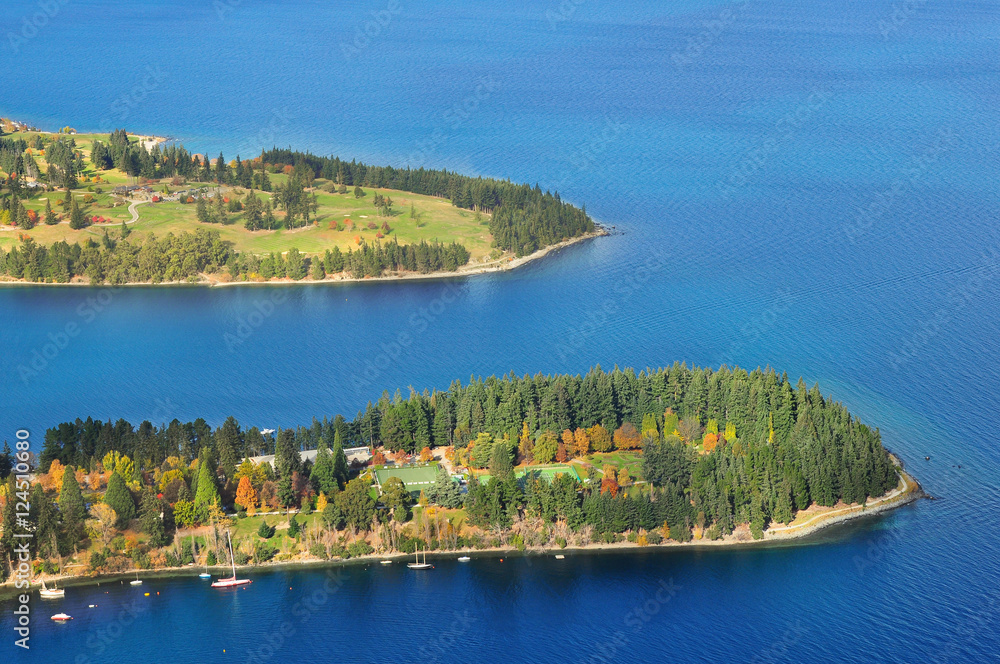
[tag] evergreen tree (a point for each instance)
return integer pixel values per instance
(445, 492)
(46, 520)
(286, 457)
(323, 476)
(76, 218)
(150, 516)
(229, 443)
(207, 493)
(340, 467)
(71, 506)
(50, 216)
(119, 498)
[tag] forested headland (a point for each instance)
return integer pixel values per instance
(68, 196)
(679, 453)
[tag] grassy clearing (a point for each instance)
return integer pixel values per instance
(618, 459)
(433, 219)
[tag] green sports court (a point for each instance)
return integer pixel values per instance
(414, 478)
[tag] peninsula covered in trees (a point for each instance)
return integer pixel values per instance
(117, 208)
(677, 454)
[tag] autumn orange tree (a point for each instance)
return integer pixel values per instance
(609, 482)
(426, 455)
(627, 437)
(246, 495)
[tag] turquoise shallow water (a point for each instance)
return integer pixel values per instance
(806, 185)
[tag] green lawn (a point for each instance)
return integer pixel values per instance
(547, 472)
(619, 459)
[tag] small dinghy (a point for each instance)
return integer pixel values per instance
(464, 559)
(62, 617)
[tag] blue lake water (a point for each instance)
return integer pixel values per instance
(807, 185)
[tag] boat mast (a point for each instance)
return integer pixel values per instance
(232, 557)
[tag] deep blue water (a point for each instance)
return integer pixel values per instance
(807, 185)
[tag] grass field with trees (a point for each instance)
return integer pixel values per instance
(114, 208)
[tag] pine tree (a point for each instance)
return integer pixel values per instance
(201, 210)
(444, 491)
(340, 467)
(151, 519)
(43, 514)
(323, 476)
(207, 493)
(286, 455)
(501, 464)
(229, 443)
(76, 218)
(50, 216)
(119, 498)
(219, 215)
(71, 506)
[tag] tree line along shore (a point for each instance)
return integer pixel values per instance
(116, 209)
(679, 454)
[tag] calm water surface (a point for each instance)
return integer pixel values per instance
(807, 185)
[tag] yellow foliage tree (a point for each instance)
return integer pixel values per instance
(582, 441)
(113, 461)
(525, 444)
(624, 479)
(426, 455)
(55, 476)
(245, 469)
(600, 439)
(321, 502)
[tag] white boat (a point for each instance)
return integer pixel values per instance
(51, 593)
(232, 581)
(417, 564)
(464, 559)
(560, 556)
(62, 617)
(385, 562)
(137, 582)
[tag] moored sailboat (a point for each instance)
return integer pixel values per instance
(417, 564)
(51, 593)
(232, 581)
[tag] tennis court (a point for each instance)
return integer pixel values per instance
(414, 478)
(547, 473)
